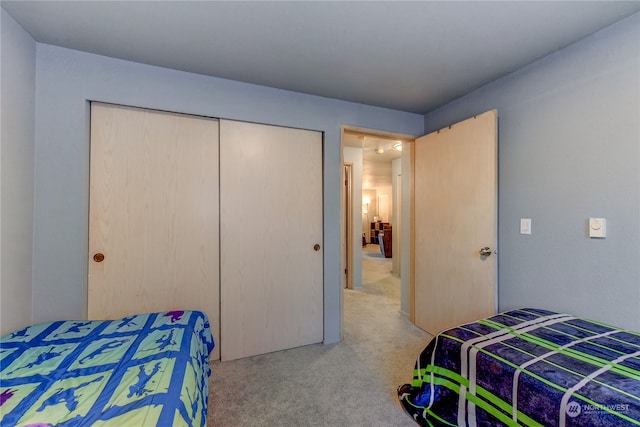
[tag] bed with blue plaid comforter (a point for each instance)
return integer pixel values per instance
(143, 370)
(527, 367)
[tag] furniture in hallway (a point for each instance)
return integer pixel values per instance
(385, 242)
(375, 229)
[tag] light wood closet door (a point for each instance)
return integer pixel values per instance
(455, 212)
(271, 219)
(153, 213)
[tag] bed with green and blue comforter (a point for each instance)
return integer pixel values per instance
(527, 367)
(143, 370)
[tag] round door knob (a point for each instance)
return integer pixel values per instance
(316, 247)
(98, 257)
(486, 251)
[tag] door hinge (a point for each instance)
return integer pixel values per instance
(345, 271)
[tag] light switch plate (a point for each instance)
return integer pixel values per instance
(525, 225)
(598, 228)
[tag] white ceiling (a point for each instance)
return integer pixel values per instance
(377, 154)
(410, 56)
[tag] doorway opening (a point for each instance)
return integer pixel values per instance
(443, 174)
(372, 208)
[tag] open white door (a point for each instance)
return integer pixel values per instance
(455, 220)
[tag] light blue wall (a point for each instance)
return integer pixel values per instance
(66, 79)
(17, 166)
(569, 149)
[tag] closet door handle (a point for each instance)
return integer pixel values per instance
(98, 257)
(316, 247)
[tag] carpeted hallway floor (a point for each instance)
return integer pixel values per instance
(351, 383)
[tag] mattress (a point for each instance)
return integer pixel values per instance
(143, 370)
(527, 367)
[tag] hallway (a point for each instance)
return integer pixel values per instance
(376, 271)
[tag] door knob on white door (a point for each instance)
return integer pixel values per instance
(486, 251)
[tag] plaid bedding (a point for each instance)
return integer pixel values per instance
(527, 367)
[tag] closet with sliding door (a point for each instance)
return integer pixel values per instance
(221, 216)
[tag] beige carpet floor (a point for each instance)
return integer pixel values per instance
(351, 383)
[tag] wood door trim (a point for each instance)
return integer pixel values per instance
(348, 232)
